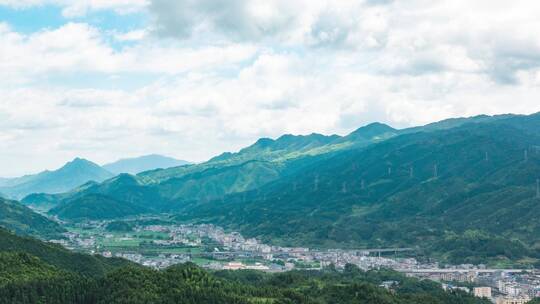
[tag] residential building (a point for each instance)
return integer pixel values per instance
(482, 292)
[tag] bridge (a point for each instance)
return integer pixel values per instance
(251, 253)
(458, 270)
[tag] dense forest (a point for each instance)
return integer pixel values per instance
(27, 279)
(59, 257)
(23, 220)
(32, 271)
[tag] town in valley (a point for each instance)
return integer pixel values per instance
(155, 243)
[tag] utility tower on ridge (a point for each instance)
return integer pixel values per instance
(538, 188)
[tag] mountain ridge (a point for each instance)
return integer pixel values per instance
(372, 197)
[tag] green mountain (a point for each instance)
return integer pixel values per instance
(371, 133)
(117, 197)
(459, 181)
(143, 163)
(20, 268)
(58, 256)
(285, 147)
(71, 175)
(472, 186)
(95, 206)
(169, 189)
(23, 220)
(126, 195)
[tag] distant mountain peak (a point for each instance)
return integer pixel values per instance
(80, 161)
(71, 175)
(143, 163)
(264, 142)
(125, 178)
(374, 128)
(288, 142)
(371, 131)
(268, 148)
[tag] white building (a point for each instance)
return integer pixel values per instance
(482, 292)
(512, 300)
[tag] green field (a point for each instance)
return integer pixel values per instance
(151, 235)
(115, 242)
(203, 261)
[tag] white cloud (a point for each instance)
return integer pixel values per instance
(80, 48)
(494, 37)
(134, 35)
(238, 70)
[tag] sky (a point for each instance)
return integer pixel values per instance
(110, 79)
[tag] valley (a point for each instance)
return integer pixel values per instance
(159, 243)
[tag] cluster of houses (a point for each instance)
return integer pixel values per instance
(230, 250)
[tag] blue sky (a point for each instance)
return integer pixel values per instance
(50, 16)
(192, 78)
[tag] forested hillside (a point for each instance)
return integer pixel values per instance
(35, 272)
(168, 190)
(424, 189)
(27, 279)
(58, 256)
(22, 220)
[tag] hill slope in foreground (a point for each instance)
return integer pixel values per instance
(58, 256)
(23, 220)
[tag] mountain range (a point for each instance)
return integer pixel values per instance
(78, 172)
(463, 190)
(71, 175)
(468, 193)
